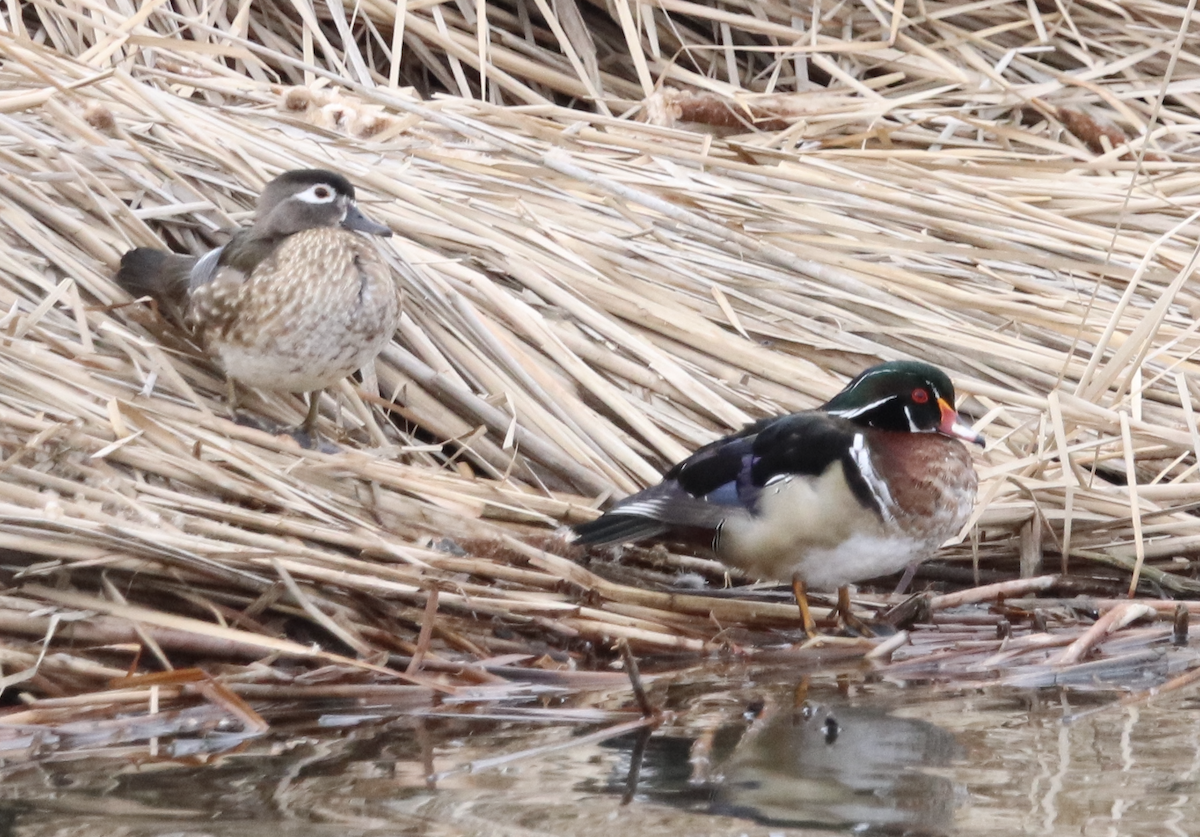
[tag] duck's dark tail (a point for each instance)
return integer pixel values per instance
(615, 527)
(157, 274)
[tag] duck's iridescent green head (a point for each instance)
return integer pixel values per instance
(903, 395)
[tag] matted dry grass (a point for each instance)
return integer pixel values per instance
(639, 227)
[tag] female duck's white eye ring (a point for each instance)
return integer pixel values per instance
(317, 193)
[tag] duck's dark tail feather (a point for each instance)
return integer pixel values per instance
(159, 275)
(615, 527)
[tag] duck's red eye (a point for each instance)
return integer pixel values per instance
(920, 396)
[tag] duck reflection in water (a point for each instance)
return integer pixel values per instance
(838, 767)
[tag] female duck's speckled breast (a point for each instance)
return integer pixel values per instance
(318, 308)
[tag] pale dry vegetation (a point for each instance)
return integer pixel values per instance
(622, 230)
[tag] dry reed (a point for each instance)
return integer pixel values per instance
(622, 231)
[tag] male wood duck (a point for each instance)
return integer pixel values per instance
(866, 484)
(295, 302)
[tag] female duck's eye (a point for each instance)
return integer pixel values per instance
(322, 193)
(920, 396)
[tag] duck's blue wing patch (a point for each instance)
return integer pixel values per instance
(700, 492)
(734, 470)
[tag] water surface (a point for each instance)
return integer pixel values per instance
(764, 753)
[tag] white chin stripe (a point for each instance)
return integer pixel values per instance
(912, 425)
(318, 193)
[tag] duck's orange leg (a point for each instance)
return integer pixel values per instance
(800, 589)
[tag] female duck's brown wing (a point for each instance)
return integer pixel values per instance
(158, 274)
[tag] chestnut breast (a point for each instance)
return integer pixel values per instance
(931, 480)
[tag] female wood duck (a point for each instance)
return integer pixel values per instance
(868, 483)
(295, 302)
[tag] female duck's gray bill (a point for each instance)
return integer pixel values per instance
(355, 220)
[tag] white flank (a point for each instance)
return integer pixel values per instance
(854, 559)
